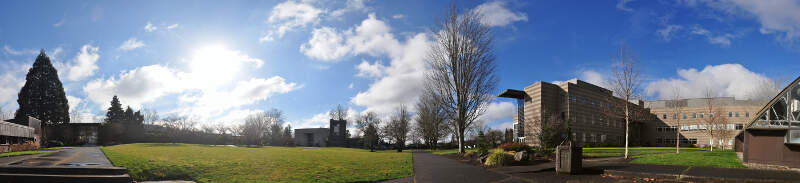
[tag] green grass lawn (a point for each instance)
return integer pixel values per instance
(40, 151)
(598, 152)
(719, 159)
(201, 163)
(667, 156)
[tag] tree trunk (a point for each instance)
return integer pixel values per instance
(460, 141)
(627, 127)
(678, 139)
(712, 143)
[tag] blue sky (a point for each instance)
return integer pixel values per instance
(219, 61)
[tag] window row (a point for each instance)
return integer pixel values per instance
(672, 141)
(714, 127)
(702, 115)
(588, 101)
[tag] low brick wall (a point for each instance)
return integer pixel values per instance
(18, 147)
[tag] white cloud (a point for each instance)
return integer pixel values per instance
(595, 78)
(722, 40)
(622, 5)
(319, 120)
(131, 44)
(668, 32)
(84, 64)
(60, 23)
(11, 81)
(726, 80)
(135, 87)
(150, 27)
(496, 14)
(73, 102)
(12, 51)
(365, 69)
(289, 15)
(778, 17)
(325, 44)
(502, 126)
(372, 37)
(351, 5)
(496, 111)
(173, 26)
(350, 86)
(216, 83)
(398, 16)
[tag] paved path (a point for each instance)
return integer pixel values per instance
(75, 157)
(433, 168)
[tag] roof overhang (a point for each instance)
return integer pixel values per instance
(511, 93)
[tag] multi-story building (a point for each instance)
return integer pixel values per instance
(594, 115)
(597, 117)
(697, 119)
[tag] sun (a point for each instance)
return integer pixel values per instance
(214, 64)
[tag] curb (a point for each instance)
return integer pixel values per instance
(683, 178)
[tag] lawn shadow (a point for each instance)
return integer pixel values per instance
(163, 144)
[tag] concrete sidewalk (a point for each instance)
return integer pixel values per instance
(699, 174)
(434, 168)
(75, 157)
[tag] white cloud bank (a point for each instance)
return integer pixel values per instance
(213, 85)
(150, 27)
(726, 80)
(777, 17)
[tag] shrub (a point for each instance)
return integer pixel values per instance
(516, 147)
(483, 144)
(54, 143)
(498, 158)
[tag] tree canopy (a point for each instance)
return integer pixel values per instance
(42, 96)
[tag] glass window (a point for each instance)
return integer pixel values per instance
(746, 114)
(739, 126)
(711, 115)
(737, 114)
(684, 115)
(674, 116)
(665, 116)
(730, 114)
(694, 115)
(701, 115)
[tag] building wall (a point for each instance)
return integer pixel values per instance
(595, 116)
(767, 147)
(697, 114)
(320, 136)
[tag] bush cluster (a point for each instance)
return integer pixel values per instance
(516, 147)
(498, 158)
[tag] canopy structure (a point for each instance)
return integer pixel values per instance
(781, 113)
(512, 93)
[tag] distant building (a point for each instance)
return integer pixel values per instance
(693, 118)
(773, 136)
(16, 137)
(596, 117)
(335, 136)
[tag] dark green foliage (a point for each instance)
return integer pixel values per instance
(483, 144)
(371, 137)
(42, 96)
(122, 126)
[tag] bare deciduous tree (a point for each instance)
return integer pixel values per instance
(677, 108)
(338, 113)
(626, 80)
(150, 116)
(431, 121)
(716, 116)
(398, 127)
(461, 71)
(364, 120)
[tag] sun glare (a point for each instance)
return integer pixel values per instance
(214, 64)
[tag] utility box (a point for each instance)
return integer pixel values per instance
(568, 158)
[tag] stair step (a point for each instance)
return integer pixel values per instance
(64, 170)
(13, 177)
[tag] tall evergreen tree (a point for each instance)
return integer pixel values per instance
(115, 112)
(42, 96)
